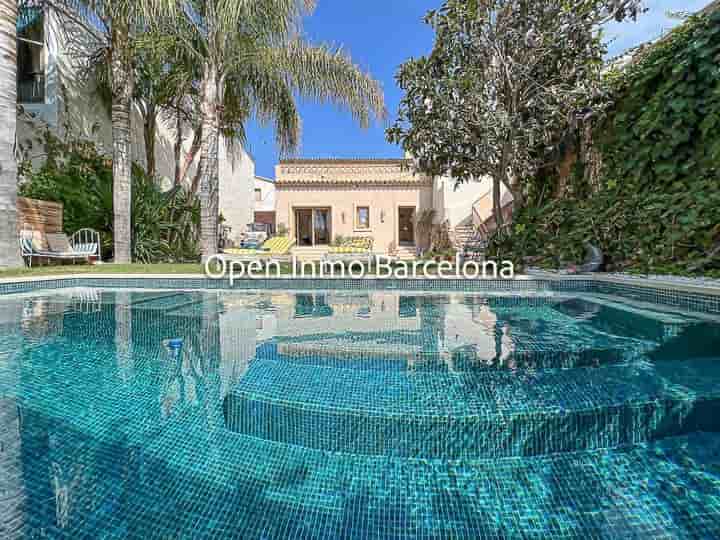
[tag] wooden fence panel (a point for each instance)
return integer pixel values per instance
(38, 215)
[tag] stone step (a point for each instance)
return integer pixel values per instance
(188, 481)
(476, 414)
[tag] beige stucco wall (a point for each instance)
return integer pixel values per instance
(384, 202)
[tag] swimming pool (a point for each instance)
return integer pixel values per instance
(366, 414)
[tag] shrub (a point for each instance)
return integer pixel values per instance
(164, 224)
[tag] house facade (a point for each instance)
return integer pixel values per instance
(54, 95)
(320, 200)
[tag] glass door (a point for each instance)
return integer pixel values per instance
(313, 227)
(322, 226)
(304, 227)
(406, 225)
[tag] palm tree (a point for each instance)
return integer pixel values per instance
(253, 62)
(9, 248)
(108, 28)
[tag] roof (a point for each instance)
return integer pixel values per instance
(334, 161)
(264, 179)
(352, 172)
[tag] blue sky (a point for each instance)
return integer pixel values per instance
(380, 35)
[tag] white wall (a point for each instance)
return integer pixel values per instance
(454, 204)
(267, 195)
(237, 181)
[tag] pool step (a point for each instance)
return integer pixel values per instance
(614, 320)
(190, 483)
(491, 414)
(459, 360)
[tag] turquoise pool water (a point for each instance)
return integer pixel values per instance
(356, 415)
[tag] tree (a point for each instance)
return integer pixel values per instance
(9, 247)
(252, 62)
(108, 28)
(505, 81)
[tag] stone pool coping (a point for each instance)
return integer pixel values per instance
(701, 297)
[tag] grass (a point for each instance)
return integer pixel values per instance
(39, 271)
(164, 268)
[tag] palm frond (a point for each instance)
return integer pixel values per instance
(327, 74)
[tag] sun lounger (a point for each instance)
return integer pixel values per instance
(83, 245)
(350, 250)
(275, 249)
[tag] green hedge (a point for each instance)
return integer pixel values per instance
(658, 207)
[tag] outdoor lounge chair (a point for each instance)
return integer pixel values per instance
(276, 249)
(350, 250)
(83, 245)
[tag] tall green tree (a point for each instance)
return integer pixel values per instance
(506, 80)
(9, 247)
(109, 28)
(253, 63)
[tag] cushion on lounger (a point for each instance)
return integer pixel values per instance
(240, 251)
(279, 245)
(39, 241)
(59, 243)
(353, 244)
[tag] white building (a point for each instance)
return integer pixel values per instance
(264, 199)
(53, 94)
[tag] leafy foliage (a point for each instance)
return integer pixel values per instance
(658, 208)
(506, 80)
(164, 224)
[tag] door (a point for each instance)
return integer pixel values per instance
(322, 226)
(406, 225)
(313, 227)
(303, 227)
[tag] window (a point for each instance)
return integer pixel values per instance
(258, 195)
(31, 55)
(362, 217)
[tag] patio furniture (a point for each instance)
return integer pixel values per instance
(350, 250)
(276, 249)
(253, 240)
(83, 245)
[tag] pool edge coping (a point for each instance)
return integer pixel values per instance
(647, 284)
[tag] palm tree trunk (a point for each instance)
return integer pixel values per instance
(122, 84)
(209, 175)
(149, 130)
(177, 148)
(9, 246)
(190, 158)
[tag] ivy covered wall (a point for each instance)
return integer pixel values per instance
(657, 205)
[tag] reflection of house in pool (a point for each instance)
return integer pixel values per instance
(412, 329)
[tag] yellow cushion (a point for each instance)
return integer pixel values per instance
(278, 245)
(357, 244)
(239, 251)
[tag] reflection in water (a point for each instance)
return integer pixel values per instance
(278, 415)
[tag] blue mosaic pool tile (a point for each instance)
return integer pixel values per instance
(267, 414)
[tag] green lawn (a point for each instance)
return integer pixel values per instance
(165, 268)
(104, 269)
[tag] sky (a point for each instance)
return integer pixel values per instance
(382, 34)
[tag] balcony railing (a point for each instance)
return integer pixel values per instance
(31, 89)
